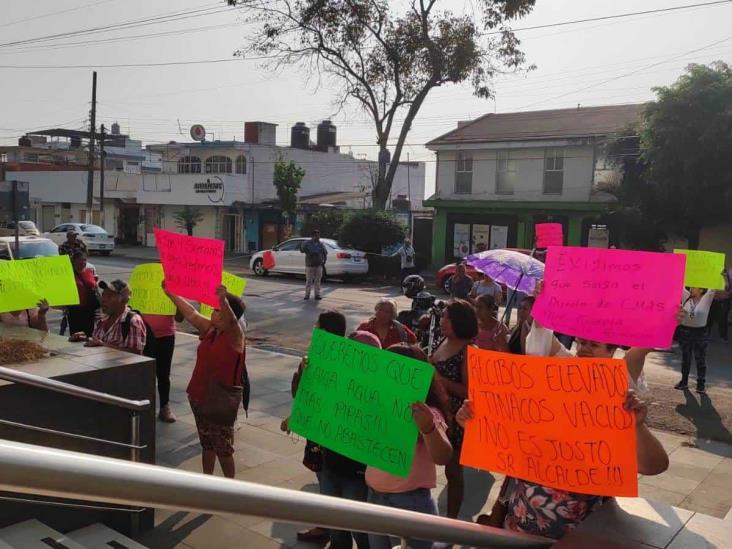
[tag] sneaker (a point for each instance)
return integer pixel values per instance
(166, 415)
(314, 535)
(681, 385)
(701, 389)
(318, 297)
(306, 298)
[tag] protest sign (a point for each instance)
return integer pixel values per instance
(148, 296)
(558, 422)
(192, 265)
(356, 400)
(23, 283)
(614, 296)
(234, 285)
(703, 269)
(549, 234)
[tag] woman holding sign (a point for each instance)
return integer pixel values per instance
(459, 326)
(82, 317)
(220, 361)
(433, 448)
(693, 336)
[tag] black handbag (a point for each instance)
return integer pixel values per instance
(220, 406)
(313, 457)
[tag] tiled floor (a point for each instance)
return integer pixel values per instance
(699, 478)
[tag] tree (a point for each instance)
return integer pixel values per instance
(686, 145)
(370, 230)
(384, 61)
(188, 218)
(328, 222)
(287, 179)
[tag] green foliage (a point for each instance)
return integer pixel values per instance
(188, 218)
(370, 230)
(287, 179)
(328, 222)
(386, 57)
(681, 180)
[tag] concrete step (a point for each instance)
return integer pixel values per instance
(33, 534)
(99, 536)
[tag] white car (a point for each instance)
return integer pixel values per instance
(31, 247)
(95, 238)
(341, 263)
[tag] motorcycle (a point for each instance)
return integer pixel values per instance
(424, 315)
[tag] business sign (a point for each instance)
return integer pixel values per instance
(212, 186)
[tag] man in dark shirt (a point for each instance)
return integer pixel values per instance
(460, 283)
(72, 244)
(315, 257)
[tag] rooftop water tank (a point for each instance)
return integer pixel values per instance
(300, 136)
(326, 135)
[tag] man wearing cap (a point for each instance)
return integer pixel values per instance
(110, 331)
(72, 244)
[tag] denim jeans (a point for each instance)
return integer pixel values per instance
(417, 500)
(346, 487)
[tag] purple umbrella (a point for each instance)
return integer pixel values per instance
(516, 270)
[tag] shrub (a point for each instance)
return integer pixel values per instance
(328, 222)
(370, 231)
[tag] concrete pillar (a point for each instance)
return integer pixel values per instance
(439, 236)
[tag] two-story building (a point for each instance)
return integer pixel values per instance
(500, 174)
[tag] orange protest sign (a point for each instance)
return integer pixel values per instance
(558, 422)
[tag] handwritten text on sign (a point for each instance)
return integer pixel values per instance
(234, 285)
(356, 400)
(148, 296)
(558, 422)
(613, 296)
(24, 283)
(192, 265)
(703, 269)
(549, 234)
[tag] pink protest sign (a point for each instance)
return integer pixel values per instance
(614, 296)
(192, 265)
(549, 234)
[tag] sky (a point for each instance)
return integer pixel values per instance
(606, 62)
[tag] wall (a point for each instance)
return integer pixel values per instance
(711, 239)
(578, 171)
(180, 189)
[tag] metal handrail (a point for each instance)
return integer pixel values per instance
(74, 436)
(56, 386)
(44, 471)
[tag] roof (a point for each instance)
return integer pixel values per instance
(549, 124)
(332, 197)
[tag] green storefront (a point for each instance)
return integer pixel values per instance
(461, 227)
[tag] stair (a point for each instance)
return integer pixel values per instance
(33, 534)
(100, 536)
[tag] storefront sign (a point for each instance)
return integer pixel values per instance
(209, 187)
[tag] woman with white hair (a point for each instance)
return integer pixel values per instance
(385, 326)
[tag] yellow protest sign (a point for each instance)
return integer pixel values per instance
(148, 296)
(234, 285)
(703, 269)
(23, 283)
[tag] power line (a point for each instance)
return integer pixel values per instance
(50, 14)
(135, 65)
(617, 16)
(161, 18)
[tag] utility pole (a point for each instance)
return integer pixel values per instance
(92, 136)
(409, 197)
(16, 217)
(102, 161)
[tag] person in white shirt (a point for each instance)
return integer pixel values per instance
(693, 336)
(407, 259)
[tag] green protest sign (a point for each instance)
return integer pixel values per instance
(25, 282)
(356, 400)
(234, 285)
(148, 296)
(703, 269)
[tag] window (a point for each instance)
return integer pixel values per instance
(114, 164)
(505, 173)
(553, 171)
(290, 246)
(30, 157)
(189, 164)
(241, 164)
(3, 158)
(218, 164)
(464, 173)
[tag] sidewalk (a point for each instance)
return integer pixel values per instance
(698, 479)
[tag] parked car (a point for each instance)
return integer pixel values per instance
(95, 238)
(342, 262)
(30, 247)
(442, 278)
(25, 228)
